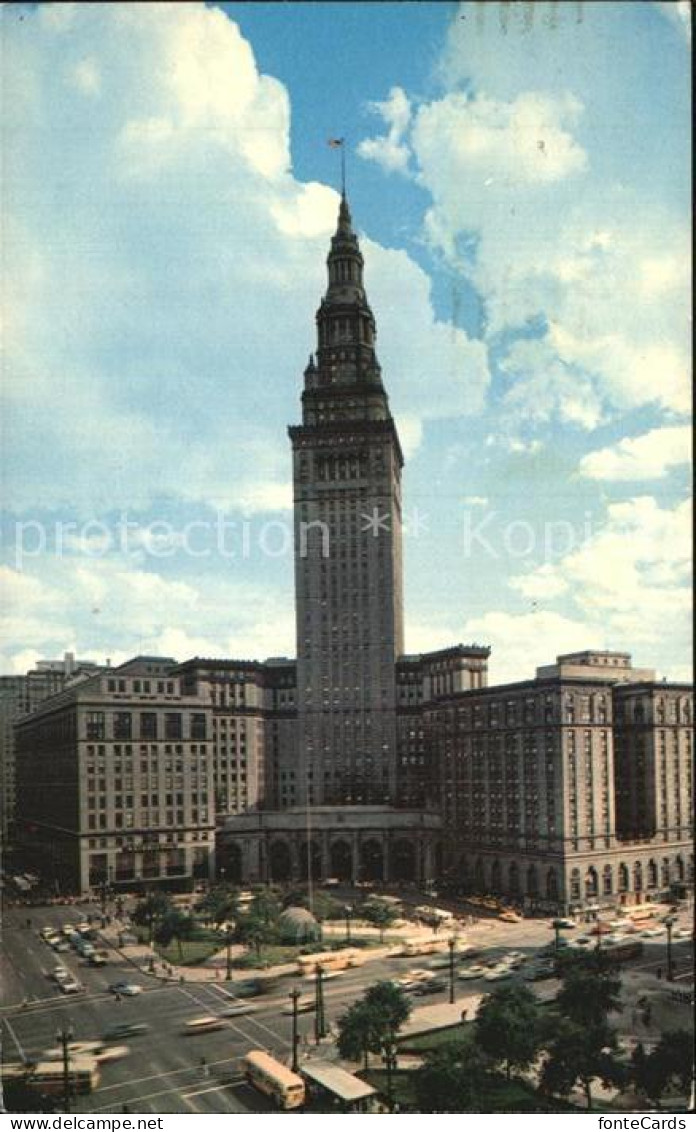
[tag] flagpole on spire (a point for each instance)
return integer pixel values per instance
(339, 143)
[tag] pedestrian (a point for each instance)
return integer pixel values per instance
(118, 996)
(204, 1067)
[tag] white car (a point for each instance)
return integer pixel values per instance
(203, 1025)
(474, 972)
(78, 1049)
(617, 925)
(127, 989)
(110, 1053)
(59, 974)
(650, 933)
(497, 974)
(684, 933)
(613, 938)
(565, 922)
(70, 986)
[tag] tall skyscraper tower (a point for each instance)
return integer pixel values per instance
(348, 561)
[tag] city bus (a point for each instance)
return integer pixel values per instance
(48, 1077)
(285, 1088)
(330, 961)
(423, 946)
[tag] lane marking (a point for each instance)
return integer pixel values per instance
(166, 1073)
(200, 1092)
(15, 1039)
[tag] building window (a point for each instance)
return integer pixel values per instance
(95, 725)
(198, 730)
(148, 725)
(172, 725)
(122, 725)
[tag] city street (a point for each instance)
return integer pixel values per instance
(168, 1070)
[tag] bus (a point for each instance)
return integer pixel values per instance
(48, 1077)
(330, 961)
(285, 1088)
(623, 951)
(423, 946)
(433, 916)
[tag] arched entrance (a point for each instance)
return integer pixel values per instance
(279, 861)
(591, 884)
(341, 857)
(532, 881)
(371, 860)
(496, 877)
(229, 863)
(479, 876)
(310, 860)
(551, 885)
(403, 860)
(514, 878)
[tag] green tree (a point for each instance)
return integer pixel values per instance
(175, 925)
(508, 1027)
(581, 1054)
(265, 906)
(151, 911)
(358, 1033)
(221, 903)
(591, 988)
(390, 1003)
(371, 1021)
(452, 1078)
(379, 914)
(254, 931)
(667, 1068)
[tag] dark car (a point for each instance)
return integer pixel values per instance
(430, 986)
(126, 1030)
(249, 988)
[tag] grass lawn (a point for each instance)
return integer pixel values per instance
(193, 951)
(500, 1096)
(421, 1043)
(269, 956)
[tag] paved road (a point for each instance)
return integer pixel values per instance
(164, 1071)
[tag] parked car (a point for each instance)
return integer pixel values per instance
(98, 959)
(59, 974)
(510, 917)
(566, 922)
(61, 945)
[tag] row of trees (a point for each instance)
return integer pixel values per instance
(570, 1043)
(256, 925)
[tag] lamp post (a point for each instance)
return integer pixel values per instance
(349, 916)
(450, 943)
(229, 932)
(669, 924)
(319, 1016)
(389, 1056)
(65, 1036)
(294, 995)
(557, 925)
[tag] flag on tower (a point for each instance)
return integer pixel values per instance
(335, 143)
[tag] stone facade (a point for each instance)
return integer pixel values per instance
(115, 781)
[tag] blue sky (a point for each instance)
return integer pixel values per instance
(519, 175)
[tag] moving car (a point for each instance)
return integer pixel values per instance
(432, 986)
(128, 989)
(650, 933)
(510, 917)
(565, 922)
(98, 959)
(238, 1011)
(70, 986)
(204, 1025)
(126, 1030)
(304, 1005)
(497, 974)
(474, 972)
(59, 974)
(60, 945)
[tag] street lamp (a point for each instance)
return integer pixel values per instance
(450, 943)
(319, 1015)
(669, 922)
(349, 915)
(389, 1056)
(294, 995)
(557, 925)
(229, 932)
(65, 1036)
